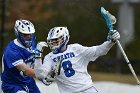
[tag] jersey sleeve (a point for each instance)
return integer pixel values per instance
(13, 58)
(43, 70)
(47, 63)
(79, 49)
(92, 53)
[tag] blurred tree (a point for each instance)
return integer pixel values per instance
(82, 17)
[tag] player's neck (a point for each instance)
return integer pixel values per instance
(64, 48)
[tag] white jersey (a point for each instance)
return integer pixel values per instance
(73, 74)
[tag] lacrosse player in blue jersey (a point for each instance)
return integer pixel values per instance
(19, 60)
(67, 64)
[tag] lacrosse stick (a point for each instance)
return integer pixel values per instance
(55, 72)
(110, 20)
(57, 69)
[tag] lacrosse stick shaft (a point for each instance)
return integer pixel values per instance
(109, 23)
(129, 64)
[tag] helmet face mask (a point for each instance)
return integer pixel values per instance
(26, 39)
(54, 43)
(57, 38)
(24, 31)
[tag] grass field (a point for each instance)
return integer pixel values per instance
(104, 82)
(123, 78)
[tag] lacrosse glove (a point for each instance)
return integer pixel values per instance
(39, 49)
(113, 36)
(46, 81)
(49, 79)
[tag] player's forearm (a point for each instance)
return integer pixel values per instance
(108, 44)
(25, 70)
(29, 72)
(39, 70)
(38, 62)
(104, 48)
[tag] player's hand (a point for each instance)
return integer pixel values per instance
(113, 36)
(49, 79)
(46, 81)
(39, 48)
(41, 45)
(51, 76)
(57, 68)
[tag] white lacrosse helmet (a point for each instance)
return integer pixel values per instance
(25, 27)
(57, 38)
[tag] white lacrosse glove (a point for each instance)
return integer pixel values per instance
(49, 79)
(39, 48)
(55, 71)
(51, 76)
(46, 81)
(113, 36)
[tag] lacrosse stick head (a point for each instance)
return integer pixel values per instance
(110, 19)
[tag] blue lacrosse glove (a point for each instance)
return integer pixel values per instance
(113, 36)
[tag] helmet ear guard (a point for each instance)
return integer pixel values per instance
(25, 27)
(59, 34)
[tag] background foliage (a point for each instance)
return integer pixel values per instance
(82, 17)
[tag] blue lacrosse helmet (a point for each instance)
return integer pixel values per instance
(59, 36)
(23, 28)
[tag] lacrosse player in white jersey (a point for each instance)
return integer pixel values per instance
(69, 62)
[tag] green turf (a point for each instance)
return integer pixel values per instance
(123, 78)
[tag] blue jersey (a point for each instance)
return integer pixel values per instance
(14, 55)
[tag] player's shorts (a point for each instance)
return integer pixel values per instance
(10, 88)
(88, 90)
